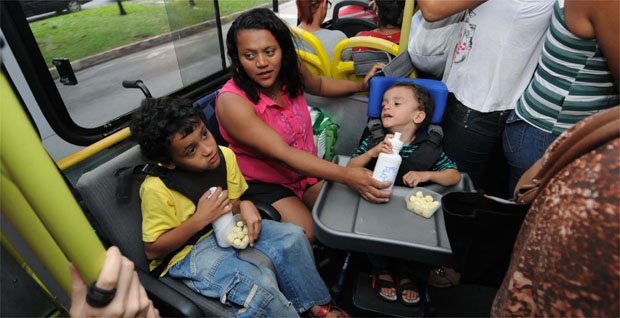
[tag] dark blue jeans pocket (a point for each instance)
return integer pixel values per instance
(514, 133)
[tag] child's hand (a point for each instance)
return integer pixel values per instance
(412, 178)
(210, 207)
(251, 217)
(384, 146)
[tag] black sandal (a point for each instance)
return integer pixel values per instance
(411, 285)
(378, 284)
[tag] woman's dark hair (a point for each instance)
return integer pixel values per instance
(424, 98)
(264, 19)
(306, 9)
(390, 12)
(158, 120)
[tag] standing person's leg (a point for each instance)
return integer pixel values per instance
(470, 137)
(217, 272)
(290, 252)
(523, 145)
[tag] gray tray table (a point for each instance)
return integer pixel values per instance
(343, 219)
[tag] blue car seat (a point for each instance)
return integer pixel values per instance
(429, 147)
(378, 86)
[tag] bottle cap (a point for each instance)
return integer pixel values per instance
(396, 143)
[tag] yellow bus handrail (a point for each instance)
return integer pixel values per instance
(345, 69)
(320, 62)
(36, 176)
(406, 26)
(94, 148)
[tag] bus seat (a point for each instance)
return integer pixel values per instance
(120, 223)
(351, 25)
(378, 86)
(207, 105)
(319, 62)
(354, 9)
(346, 69)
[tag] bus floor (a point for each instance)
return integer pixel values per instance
(358, 298)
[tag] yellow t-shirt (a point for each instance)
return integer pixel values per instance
(164, 209)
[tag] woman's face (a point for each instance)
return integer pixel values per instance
(260, 56)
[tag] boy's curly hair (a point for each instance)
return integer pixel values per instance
(158, 120)
(424, 98)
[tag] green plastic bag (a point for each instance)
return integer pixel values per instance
(325, 134)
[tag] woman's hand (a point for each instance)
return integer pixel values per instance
(130, 299)
(361, 180)
(377, 67)
(251, 217)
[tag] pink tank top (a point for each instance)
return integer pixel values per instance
(292, 123)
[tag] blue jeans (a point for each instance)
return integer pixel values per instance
(252, 290)
(523, 145)
(470, 137)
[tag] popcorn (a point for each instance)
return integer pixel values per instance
(240, 237)
(422, 205)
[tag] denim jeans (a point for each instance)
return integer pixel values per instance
(470, 137)
(523, 145)
(252, 290)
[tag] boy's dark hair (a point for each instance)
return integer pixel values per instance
(424, 98)
(264, 19)
(158, 120)
(390, 12)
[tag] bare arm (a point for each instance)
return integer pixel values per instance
(363, 159)
(597, 20)
(239, 119)
(208, 210)
(445, 178)
(331, 87)
(434, 10)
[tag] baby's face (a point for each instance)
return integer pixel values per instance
(399, 108)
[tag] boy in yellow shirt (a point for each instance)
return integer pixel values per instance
(170, 132)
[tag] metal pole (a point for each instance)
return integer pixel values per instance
(406, 26)
(36, 176)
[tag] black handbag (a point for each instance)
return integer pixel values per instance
(482, 231)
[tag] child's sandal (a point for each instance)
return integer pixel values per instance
(412, 285)
(378, 284)
(326, 309)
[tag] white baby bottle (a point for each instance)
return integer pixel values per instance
(388, 163)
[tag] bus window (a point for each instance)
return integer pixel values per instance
(168, 44)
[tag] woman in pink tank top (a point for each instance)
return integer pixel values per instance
(263, 115)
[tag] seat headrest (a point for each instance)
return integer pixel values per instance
(378, 86)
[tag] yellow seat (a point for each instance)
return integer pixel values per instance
(318, 63)
(345, 69)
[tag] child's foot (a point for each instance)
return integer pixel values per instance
(409, 294)
(384, 284)
(328, 311)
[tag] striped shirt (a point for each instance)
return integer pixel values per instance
(572, 80)
(407, 151)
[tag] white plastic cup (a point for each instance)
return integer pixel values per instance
(223, 225)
